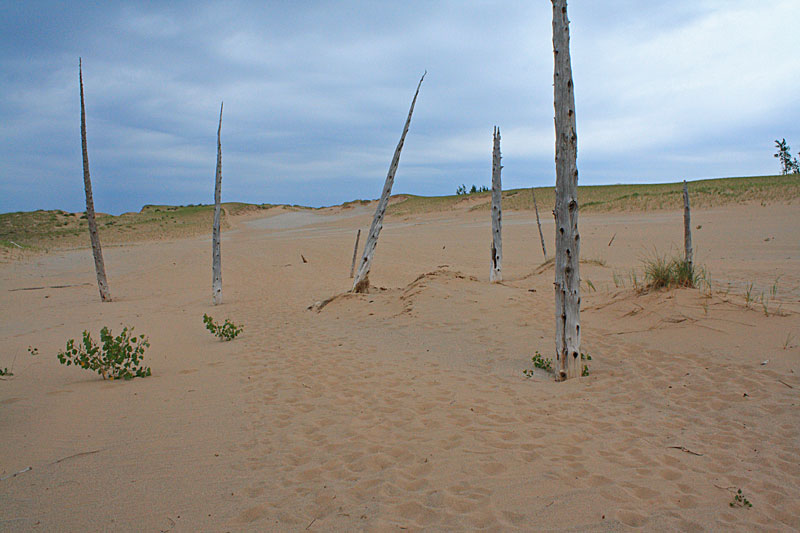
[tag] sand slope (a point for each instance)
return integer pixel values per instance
(407, 407)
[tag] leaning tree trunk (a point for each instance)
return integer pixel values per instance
(355, 255)
(496, 273)
(567, 275)
(538, 223)
(216, 283)
(99, 265)
(687, 229)
(361, 282)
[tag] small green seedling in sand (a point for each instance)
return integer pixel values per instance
(585, 357)
(119, 357)
(33, 351)
(748, 295)
(227, 331)
(546, 364)
(5, 372)
(539, 362)
(740, 501)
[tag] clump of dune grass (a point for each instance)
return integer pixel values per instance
(661, 272)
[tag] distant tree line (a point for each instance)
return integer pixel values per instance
(789, 164)
(462, 190)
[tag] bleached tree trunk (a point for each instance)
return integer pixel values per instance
(97, 251)
(567, 275)
(361, 282)
(496, 273)
(216, 283)
(687, 227)
(355, 254)
(538, 223)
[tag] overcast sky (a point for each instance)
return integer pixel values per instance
(316, 93)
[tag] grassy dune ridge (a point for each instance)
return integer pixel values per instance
(636, 197)
(43, 230)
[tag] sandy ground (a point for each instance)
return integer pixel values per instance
(407, 408)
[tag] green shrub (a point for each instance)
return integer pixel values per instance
(119, 357)
(539, 362)
(660, 272)
(546, 364)
(227, 331)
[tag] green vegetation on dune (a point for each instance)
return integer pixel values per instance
(58, 229)
(42, 230)
(637, 197)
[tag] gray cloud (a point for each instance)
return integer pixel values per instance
(316, 94)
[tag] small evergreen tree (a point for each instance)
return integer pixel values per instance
(789, 164)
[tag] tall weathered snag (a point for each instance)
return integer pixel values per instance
(97, 251)
(539, 223)
(361, 282)
(216, 282)
(496, 273)
(687, 229)
(567, 275)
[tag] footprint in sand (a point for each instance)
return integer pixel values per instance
(493, 468)
(254, 513)
(631, 518)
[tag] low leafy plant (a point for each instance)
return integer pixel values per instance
(227, 331)
(118, 357)
(739, 500)
(33, 351)
(539, 362)
(585, 370)
(5, 372)
(546, 364)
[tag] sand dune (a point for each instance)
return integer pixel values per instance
(407, 408)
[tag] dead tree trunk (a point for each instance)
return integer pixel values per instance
(687, 228)
(216, 282)
(567, 275)
(97, 251)
(361, 282)
(496, 273)
(355, 254)
(538, 223)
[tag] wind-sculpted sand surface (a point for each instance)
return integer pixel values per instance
(406, 408)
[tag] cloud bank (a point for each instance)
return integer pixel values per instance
(316, 94)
